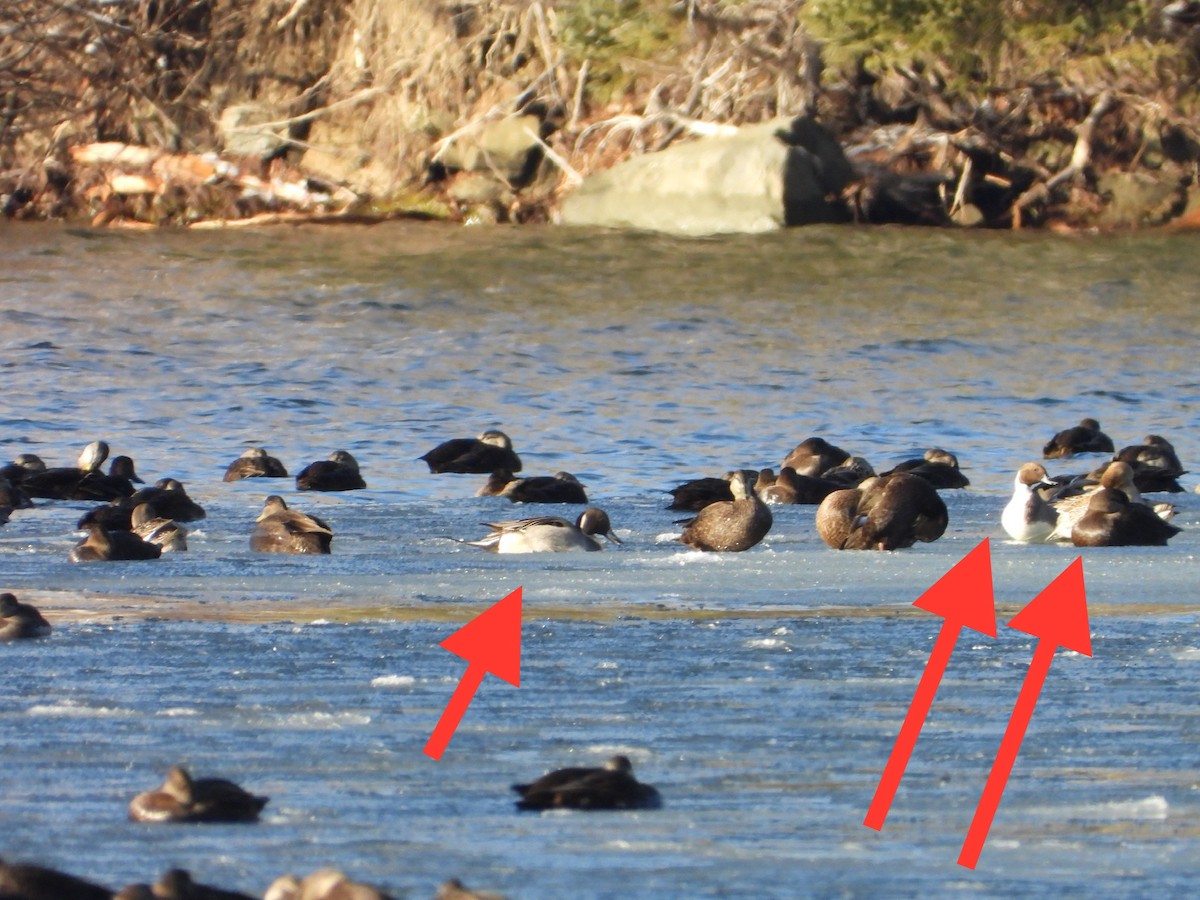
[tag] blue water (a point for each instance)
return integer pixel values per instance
(761, 692)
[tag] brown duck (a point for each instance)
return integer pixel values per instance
(182, 798)
(279, 529)
(730, 525)
(883, 513)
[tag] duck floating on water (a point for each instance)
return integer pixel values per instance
(1086, 437)
(339, 472)
(482, 455)
(255, 463)
(611, 786)
(730, 525)
(178, 884)
(182, 798)
(883, 513)
(280, 529)
(548, 534)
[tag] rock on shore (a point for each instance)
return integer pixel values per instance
(757, 178)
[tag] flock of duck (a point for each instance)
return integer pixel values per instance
(857, 508)
(184, 799)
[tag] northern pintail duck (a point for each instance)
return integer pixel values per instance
(280, 529)
(883, 513)
(103, 545)
(1155, 465)
(814, 455)
(323, 884)
(548, 534)
(937, 466)
(1111, 520)
(562, 487)
(730, 525)
(611, 786)
(61, 483)
(178, 884)
(1086, 437)
(20, 620)
(29, 882)
(1116, 475)
(490, 451)
(147, 524)
(1028, 517)
(182, 798)
(339, 472)
(255, 463)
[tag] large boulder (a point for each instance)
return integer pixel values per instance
(763, 177)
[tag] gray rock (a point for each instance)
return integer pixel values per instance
(244, 132)
(764, 177)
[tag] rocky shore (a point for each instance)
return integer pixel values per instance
(691, 117)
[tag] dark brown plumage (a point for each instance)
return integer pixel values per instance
(562, 487)
(182, 798)
(814, 455)
(883, 513)
(255, 463)
(693, 496)
(490, 451)
(20, 620)
(21, 881)
(1086, 437)
(1155, 465)
(938, 467)
(730, 525)
(611, 786)
(790, 488)
(279, 529)
(338, 473)
(1111, 520)
(103, 545)
(62, 483)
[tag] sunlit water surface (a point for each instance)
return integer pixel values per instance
(761, 692)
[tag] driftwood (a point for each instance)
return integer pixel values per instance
(1081, 156)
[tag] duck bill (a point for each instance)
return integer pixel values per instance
(612, 537)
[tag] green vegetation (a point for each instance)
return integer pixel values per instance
(993, 42)
(615, 37)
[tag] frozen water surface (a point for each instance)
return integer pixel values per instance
(761, 692)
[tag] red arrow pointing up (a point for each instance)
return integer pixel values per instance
(1058, 618)
(491, 642)
(964, 598)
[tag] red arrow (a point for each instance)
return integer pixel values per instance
(963, 597)
(491, 642)
(1058, 618)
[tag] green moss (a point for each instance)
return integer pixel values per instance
(615, 37)
(981, 40)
